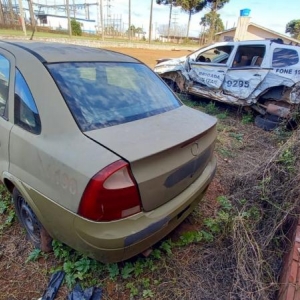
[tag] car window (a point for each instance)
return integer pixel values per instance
(4, 83)
(215, 55)
(106, 94)
(249, 55)
(26, 113)
(283, 57)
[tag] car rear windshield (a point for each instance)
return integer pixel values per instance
(102, 94)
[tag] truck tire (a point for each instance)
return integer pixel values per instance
(265, 124)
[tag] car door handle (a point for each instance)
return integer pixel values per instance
(221, 71)
(256, 75)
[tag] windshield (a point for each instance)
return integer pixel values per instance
(106, 94)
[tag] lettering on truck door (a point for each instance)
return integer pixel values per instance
(210, 67)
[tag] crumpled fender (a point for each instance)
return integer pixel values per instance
(181, 78)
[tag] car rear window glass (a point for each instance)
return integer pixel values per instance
(101, 94)
(26, 113)
(283, 57)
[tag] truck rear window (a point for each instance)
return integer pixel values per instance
(102, 94)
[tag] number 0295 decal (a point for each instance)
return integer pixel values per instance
(237, 83)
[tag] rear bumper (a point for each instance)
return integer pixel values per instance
(122, 239)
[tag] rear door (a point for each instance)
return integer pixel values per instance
(209, 67)
(247, 71)
(285, 61)
(6, 94)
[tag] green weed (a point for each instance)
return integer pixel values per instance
(34, 255)
(288, 159)
(225, 152)
(148, 294)
(211, 109)
(238, 136)
(7, 212)
(134, 291)
(247, 118)
(222, 115)
(167, 247)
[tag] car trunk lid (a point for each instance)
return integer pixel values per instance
(166, 152)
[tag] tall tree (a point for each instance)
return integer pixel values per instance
(191, 7)
(134, 31)
(293, 28)
(213, 22)
(171, 3)
(214, 6)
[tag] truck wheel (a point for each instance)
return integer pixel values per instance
(265, 124)
(36, 233)
(273, 118)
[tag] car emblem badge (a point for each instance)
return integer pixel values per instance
(195, 149)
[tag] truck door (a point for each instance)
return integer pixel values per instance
(209, 67)
(246, 72)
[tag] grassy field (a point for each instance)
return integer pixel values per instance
(43, 34)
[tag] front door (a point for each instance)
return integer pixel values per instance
(210, 66)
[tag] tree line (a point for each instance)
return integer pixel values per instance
(211, 20)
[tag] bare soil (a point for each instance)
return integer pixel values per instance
(149, 56)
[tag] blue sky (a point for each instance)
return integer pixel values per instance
(273, 14)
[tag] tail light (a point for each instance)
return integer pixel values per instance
(111, 194)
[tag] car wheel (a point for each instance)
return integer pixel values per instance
(36, 233)
(265, 124)
(290, 124)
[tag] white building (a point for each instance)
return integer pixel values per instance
(61, 22)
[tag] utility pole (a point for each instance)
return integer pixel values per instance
(102, 19)
(32, 18)
(129, 20)
(69, 19)
(170, 17)
(2, 20)
(12, 15)
(22, 17)
(74, 9)
(150, 23)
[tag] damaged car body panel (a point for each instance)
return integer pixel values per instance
(240, 73)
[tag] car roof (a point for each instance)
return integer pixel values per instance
(58, 52)
(254, 42)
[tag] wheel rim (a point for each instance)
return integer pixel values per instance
(29, 220)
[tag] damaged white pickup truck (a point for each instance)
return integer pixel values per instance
(263, 75)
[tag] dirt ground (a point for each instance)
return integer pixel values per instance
(149, 56)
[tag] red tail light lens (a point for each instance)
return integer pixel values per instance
(111, 194)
